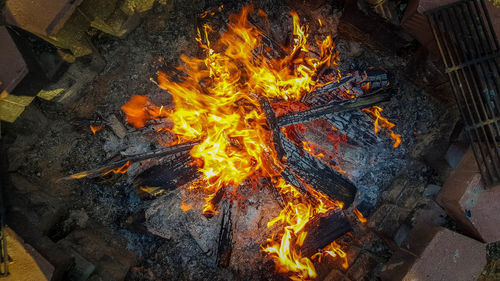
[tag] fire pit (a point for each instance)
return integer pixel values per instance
(258, 145)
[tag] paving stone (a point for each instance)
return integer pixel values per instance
(31, 235)
(38, 16)
(41, 209)
(104, 249)
(431, 190)
(465, 199)
(27, 264)
(9, 111)
(436, 254)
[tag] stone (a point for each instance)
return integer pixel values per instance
(10, 56)
(117, 126)
(42, 244)
(387, 219)
(40, 17)
(106, 250)
(466, 200)
(416, 24)
(42, 210)
(27, 264)
(82, 269)
(363, 265)
(68, 88)
(436, 253)
(9, 112)
(431, 190)
(454, 154)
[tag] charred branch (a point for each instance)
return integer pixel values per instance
(273, 125)
(225, 242)
(378, 96)
(162, 178)
(323, 230)
(132, 159)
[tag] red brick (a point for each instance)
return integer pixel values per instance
(416, 24)
(465, 199)
(437, 254)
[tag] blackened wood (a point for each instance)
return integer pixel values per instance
(161, 178)
(378, 96)
(323, 230)
(216, 200)
(317, 174)
(225, 242)
(135, 158)
(292, 179)
(273, 124)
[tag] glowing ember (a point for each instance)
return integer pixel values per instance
(382, 122)
(96, 129)
(360, 216)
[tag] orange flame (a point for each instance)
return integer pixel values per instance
(382, 122)
(216, 103)
(121, 170)
(295, 216)
(96, 129)
(360, 216)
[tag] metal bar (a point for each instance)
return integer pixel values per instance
(476, 100)
(469, 49)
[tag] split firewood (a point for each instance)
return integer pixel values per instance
(225, 241)
(317, 174)
(322, 230)
(121, 164)
(166, 177)
(378, 96)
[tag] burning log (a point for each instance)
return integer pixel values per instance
(378, 96)
(272, 121)
(323, 230)
(225, 242)
(162, 178)
(136, 158)
(317, 174)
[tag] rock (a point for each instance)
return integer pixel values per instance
(437, 254)
(465, 199)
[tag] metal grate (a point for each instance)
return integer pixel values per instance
(470, 52)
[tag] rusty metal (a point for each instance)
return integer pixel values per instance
(470, 52)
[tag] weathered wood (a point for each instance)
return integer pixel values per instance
(323, 230)
(225, 241)
(317, 174)
(378, 96)
(135, 158)
(163, 178)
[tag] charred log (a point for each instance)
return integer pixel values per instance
(323, 230)
(225, 242)
(381, 95)
(136, 158)
(162, 178)
(272, 121)
(317, 174)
